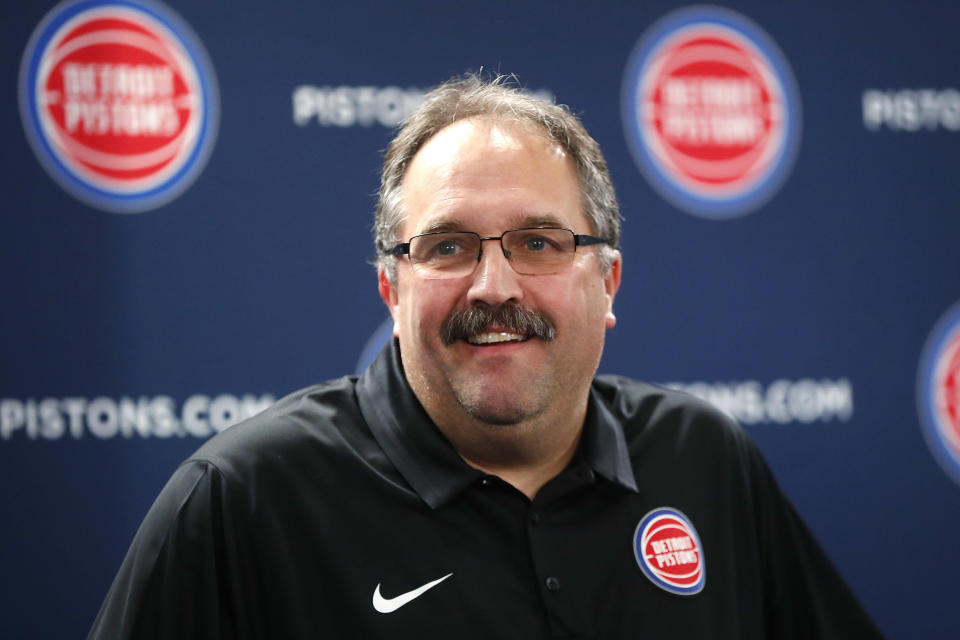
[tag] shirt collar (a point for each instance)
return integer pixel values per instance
(604, 445)
(427, 460)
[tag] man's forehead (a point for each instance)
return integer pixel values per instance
(490, 176)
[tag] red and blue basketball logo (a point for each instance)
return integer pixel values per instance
(669, 552)
(938, 392)
(711, 112)
(119, 102)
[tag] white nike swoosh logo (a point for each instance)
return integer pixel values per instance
(389, 605)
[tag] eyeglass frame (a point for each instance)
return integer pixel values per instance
(579, 240)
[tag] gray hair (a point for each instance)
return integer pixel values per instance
(498, 98)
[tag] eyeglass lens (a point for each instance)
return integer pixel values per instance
(455, 254)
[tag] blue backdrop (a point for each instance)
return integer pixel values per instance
(127, 338)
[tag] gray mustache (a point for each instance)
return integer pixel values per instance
(461, 324)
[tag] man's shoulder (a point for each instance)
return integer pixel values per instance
(646, 410)
(299, 430)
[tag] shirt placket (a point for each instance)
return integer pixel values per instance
(553, 572)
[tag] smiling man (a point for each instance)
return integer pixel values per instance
(501, 307)
(479, 480)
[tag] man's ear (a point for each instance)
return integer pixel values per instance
(388, 293)
(611, 283)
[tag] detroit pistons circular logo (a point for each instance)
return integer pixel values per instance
(669, 552)
(711, 112)
(119, 102)
(938, 392)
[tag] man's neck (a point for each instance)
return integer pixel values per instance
(526, 455)
(528, 478)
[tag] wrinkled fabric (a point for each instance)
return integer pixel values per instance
(284, 526)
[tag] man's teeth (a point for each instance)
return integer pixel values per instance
(493, 337)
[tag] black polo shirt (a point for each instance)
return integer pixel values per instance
(343, 512)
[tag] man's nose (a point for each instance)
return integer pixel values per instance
(494, 280)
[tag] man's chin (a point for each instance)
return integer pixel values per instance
(496, 416)
(496, 409)
(498, 393)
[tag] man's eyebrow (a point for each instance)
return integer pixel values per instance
(446, 224)
(520, 222)
(542, 220)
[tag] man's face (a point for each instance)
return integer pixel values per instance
(489, 178)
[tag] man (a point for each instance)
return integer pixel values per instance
(478, 480)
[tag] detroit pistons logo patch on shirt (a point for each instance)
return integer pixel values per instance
(119, 102)
(938, 392)
(711, 112)
(669, 552)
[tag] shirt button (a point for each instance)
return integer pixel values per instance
(535, 517)
(553, 584)
(485, 481)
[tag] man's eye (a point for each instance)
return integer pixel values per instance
(447, 248)
(536, 244)
(539, 243)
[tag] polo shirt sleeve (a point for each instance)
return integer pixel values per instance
(180, 577)
(805, 595)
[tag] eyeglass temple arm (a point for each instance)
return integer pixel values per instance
(583, 240)
(399, 250)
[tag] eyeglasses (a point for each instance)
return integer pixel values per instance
(530, 251)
